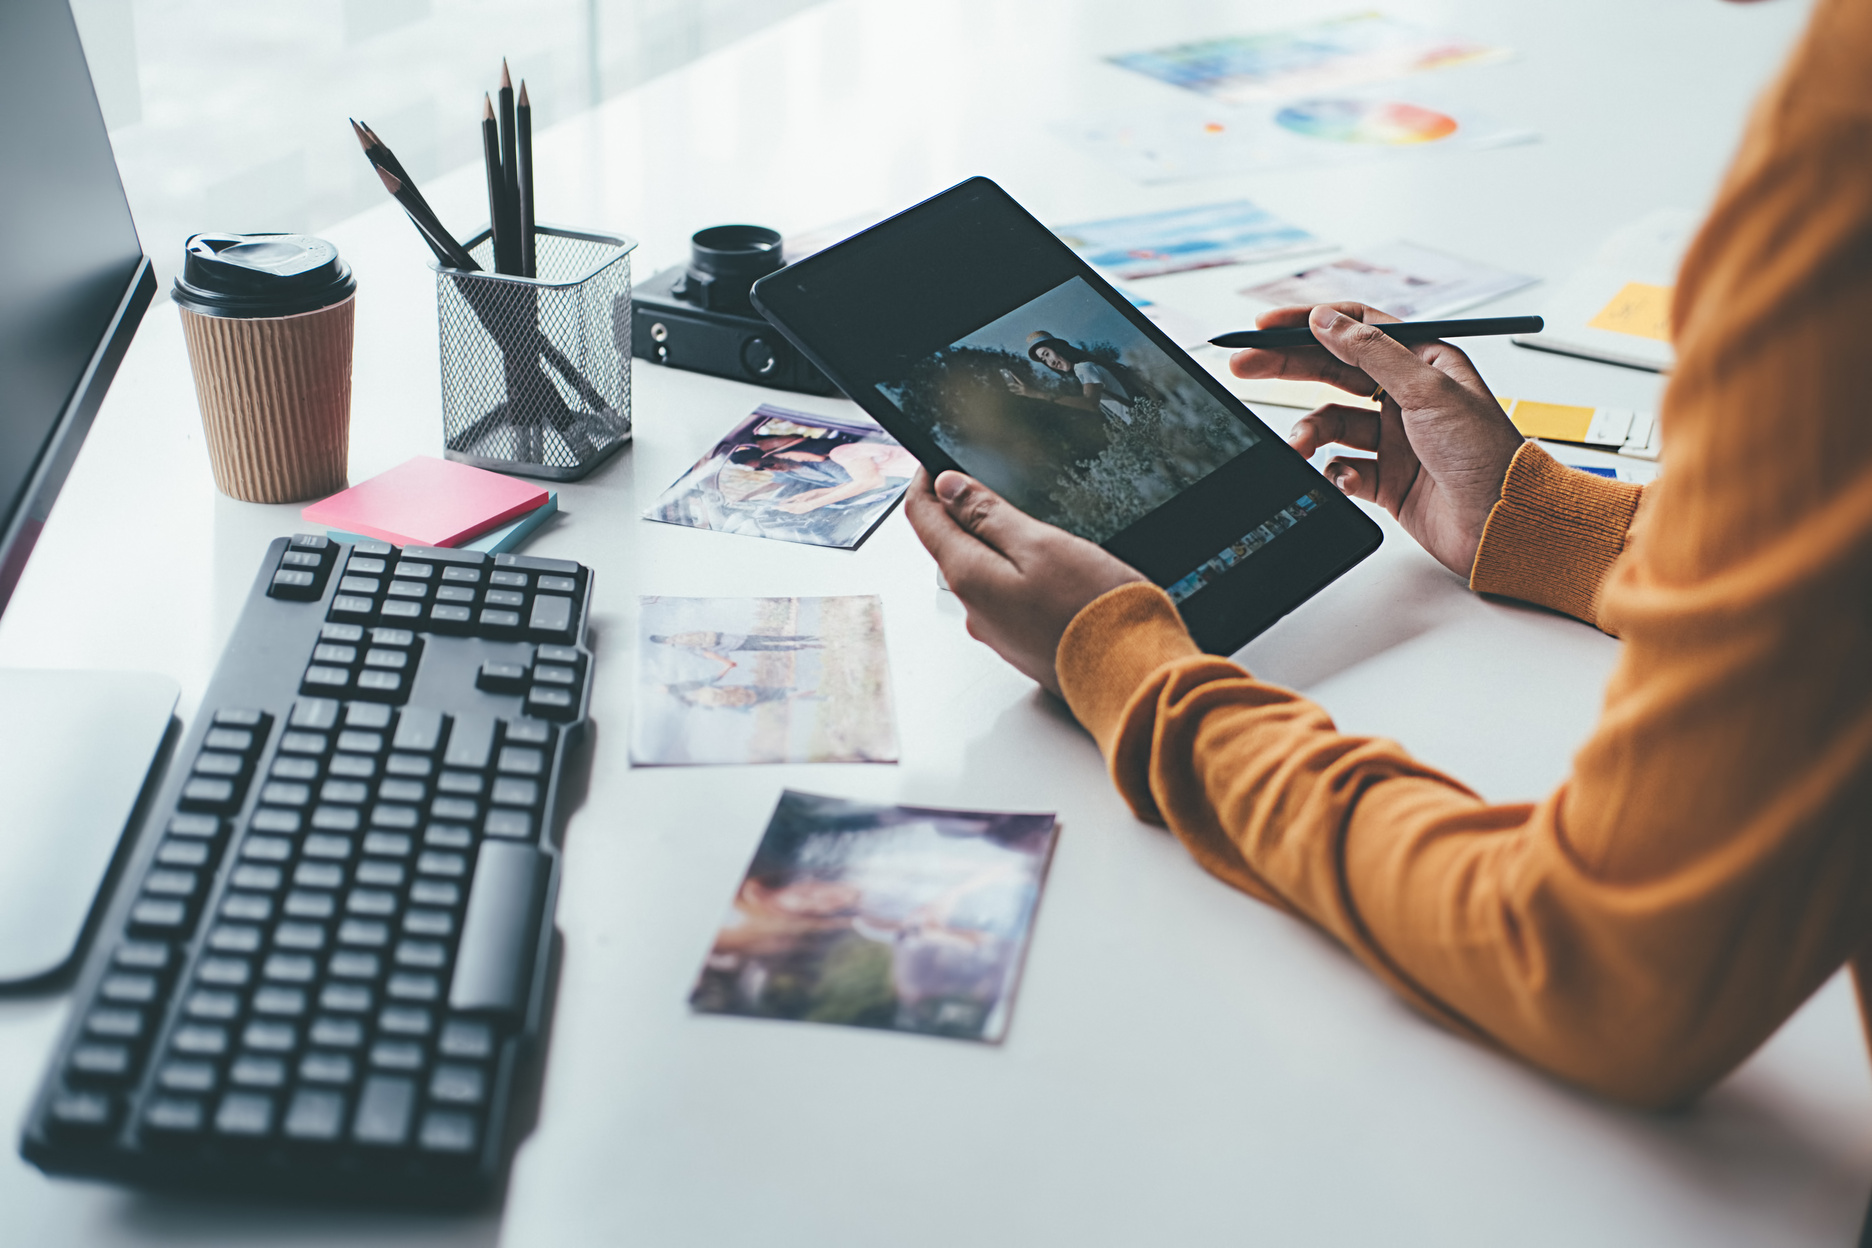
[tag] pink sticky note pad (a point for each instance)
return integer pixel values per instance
(427, 502)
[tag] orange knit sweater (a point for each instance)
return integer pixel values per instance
(1708, 863)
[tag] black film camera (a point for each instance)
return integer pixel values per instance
(697, 316)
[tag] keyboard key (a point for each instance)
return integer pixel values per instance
(207, 793)
(548, 674)
(551, 618)
(266, 848)
(290, 968)
(529, 731)
(435, 923)
(447, 835)
(311, 541)
(406, 589)
(301, 559)
(444, 1132)
(294, 583)
(307, 904)
(198, 1077)
(320, 845)
(388, 844)
(535, 563)
(212, 1005)
(468, 783)
(195, 827)
(415, 571)
(244, 1114)
(401, 609)
(558, 585)
(142, 955)
(335, 1068)
(371, 902)
(315, 743)
(508, 579)
(551, 703)
(364, 933)
(402, 790)
(452, 615)
(161, 917)
(258, 1072)
(224, 972)
(353, 964)
(462, 576)
(435, 863)
(348, 634)
(382, 550)
(465, 1038)
(182, 853)
(521, 761)
(460, 594)
(272, 819)
(447, 556)
(336, 1033)
(257, 878)
(239, 740)
(427, 954)
(268, 1037)
(419, 730)
(214, 763)
(321, 714)
(337, 818)
(99, 1063)
(414, 988)
(286, 767)
(504, 598)
(319, 678)
(352, 607)
(346, 998)
(498, 677)
(234, 938)
(374, 683)
(512, 791)
(306, 937)
(383, 1112)
(280, 1002)
(405, 1020)
(366, 566)
(361, 742)
(453, 1083)
(284, 793)
(514, 825)
(115, 1024)
(128, 989)
(85, 1111)
(172, 1115)
(396, 1055)
(247, 907)
(415, 765)
(315, 1115)
(353, 766)
(499, 621)
(455, 808)
(350, 792)
(397, 817)
(199, 1040)
(471, 743)
(335, 655)
(435, 893)
(318, 875)
(360, 585)
(494, 961)
(392, 637)
(376, 873)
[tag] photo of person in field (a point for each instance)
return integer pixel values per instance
(1071, 413)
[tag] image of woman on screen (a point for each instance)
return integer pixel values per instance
(1111, 389)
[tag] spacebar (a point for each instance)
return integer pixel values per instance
(495, 959)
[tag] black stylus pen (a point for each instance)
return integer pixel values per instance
(1403, 331)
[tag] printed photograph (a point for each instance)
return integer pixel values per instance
(1156, 243)
(904, 918)
(794, 477)
(763, 680)
(1070, 413)
(1408, 281)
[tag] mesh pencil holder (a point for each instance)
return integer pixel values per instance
(536, 370)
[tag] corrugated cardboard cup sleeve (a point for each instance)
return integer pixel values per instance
(275, 396)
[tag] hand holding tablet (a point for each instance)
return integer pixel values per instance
(983, 344)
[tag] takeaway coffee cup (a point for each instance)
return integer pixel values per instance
(268, 323)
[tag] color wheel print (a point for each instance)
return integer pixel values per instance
(1365, 121)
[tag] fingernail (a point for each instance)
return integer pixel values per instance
(1327, 318)
(950, 485)
(1293, 434)
(1339, 478)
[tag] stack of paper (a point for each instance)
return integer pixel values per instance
(1617, 309)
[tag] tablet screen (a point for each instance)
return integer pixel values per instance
(1069, 412)
(981, 342)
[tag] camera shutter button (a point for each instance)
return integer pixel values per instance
(759, 357)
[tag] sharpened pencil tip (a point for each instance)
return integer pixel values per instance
(487, 108)
(363, 136)
(506, 78)
(523, 95)
(390, 181)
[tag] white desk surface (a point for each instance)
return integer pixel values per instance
(1185, 1066)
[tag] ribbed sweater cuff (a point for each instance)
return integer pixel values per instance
(1111, 648)
(1554, 535)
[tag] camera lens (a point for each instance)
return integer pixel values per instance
(724, 261)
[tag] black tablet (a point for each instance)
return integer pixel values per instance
(981, 342)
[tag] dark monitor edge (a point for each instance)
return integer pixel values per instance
(74, 423)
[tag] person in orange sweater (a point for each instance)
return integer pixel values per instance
(1708, 864)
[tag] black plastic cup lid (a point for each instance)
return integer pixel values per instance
(251, 275)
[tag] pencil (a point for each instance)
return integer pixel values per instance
(440, 240)
(523, 148)
(510, 173)
(490, 151)
(1403, 331)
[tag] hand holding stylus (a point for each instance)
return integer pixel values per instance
(1442, 444)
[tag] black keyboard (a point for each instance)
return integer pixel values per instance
(325, 956)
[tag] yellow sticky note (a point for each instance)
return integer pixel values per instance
(1563, 422)
(1639, 309)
